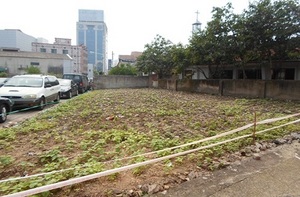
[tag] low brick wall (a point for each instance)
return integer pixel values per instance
(286, 90)
(120, 81)
(208, 87)
(244, 88)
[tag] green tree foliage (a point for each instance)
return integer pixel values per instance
(179, 58)
(33, 70)
(156, 58)
(3, 74)
(216, 44)
(163, 57)
(268, 30)
(271, 25)
(123, 69)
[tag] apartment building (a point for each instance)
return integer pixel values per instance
(78, 53)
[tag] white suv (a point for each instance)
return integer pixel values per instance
(31, 90)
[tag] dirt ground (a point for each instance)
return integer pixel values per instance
(274, 173)
(100, 126)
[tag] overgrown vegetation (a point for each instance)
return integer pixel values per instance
(92, 132)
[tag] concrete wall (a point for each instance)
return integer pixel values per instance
(275, 89)
(120, 81)
(168, 84)
(244, 88)
(285, 90)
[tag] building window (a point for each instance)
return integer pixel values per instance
(54, 51)
(34, 63)
(43, 50)
(65, 51)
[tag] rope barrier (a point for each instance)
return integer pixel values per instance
(88, 177)
(166, 149)
(128, 167)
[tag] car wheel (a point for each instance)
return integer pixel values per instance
(77, 93)
(70, 94)
(3, 115)
(57, 98)
(42, 104)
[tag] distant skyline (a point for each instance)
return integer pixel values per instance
(131, 23)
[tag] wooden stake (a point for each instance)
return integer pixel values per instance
(254, 128)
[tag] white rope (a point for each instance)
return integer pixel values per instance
(166, 149)
(128, 167)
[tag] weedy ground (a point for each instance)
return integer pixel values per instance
(91, 132)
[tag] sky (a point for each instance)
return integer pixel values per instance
(131, 23)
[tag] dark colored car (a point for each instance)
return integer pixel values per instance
(80, 79)
(5, 108)
(68, 88)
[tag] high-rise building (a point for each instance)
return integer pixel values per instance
(92, 32)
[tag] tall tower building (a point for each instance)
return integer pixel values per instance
(92, 32)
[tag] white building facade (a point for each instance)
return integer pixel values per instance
(15, 38)
(78, 53)
(17, 62)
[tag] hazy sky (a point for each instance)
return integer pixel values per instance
(131, 23)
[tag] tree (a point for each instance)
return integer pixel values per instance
(33, 70)
(123, 69)
(214, 46)
(268, 30)
(156, 58)
(179, 58)
(271, 25)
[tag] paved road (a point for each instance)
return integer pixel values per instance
(276, 174)
(20, 115)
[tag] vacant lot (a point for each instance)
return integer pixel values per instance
(94, 131)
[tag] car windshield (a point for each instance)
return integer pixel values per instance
(75, 78)
(64, 82)
(24, 82)
(2, 80)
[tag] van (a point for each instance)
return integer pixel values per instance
(80, 79)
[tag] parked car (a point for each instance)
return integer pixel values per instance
(68, 88)
(80, 79)
(31, 90)
(3, 81)
(5, 108)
